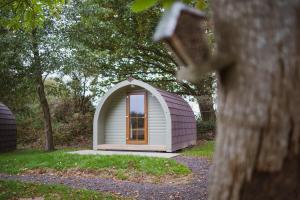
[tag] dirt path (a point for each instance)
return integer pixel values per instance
(196, 189)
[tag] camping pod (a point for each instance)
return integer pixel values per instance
(8, 130)
(134, 115)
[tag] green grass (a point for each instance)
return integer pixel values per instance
(16, 189)
(21, 160)
(205, 149)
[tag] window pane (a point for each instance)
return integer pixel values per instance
(140, 134)
(133, 134)
(140, 123)
(137, 105)
(136, 122)
(137, 134)
(133, 123)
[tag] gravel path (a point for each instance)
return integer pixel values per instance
(196, 189)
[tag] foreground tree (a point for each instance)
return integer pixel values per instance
(257, 152)
(257, 61)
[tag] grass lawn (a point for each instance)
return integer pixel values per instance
(205, 149)
(123, 166)
(16, 190)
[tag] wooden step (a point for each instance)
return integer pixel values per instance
(131, 147)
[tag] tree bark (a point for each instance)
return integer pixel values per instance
(49, 145)
(258, 123)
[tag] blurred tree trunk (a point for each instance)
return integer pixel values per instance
(49, 146)
(257, 147)
(206, 108)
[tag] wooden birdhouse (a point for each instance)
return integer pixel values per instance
(183, 29)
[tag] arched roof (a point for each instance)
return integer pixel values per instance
(175, 108)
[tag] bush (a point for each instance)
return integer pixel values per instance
(70, 127)
(206, 129)
(29, 125)
(77, 131)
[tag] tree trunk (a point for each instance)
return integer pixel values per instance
(257, 147)
(49, 146)
(206, 108)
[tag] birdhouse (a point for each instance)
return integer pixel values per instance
(183, 29)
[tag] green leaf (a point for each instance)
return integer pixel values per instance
(201, 4)
(167, 3)
(140, 5)
(187, 1)
(31, 14)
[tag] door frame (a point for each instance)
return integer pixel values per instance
(145, 141)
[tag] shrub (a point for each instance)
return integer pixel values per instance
(77, 131)
(206, 129)
(29, 125)
(70, 126)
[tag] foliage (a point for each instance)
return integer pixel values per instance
(140, 5)
(16, 87)
(33, 18)
(84, 47)
(16, 70)
(71, 126)
(204, 149)
(118, 43)
(28, 15)
(29, 124)
(72, 120)
(18, 190)
(206, 85)
(206, 129)
(21, 160)
(18, 77)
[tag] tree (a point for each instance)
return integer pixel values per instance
(257, 152)
(13, 80)
(30, 17)
(118, 43)
(257, 62)
(258, 123)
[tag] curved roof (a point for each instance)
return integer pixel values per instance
(178, 113)
(176, 104)
(184, 127)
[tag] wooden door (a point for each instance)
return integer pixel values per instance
(136, 118)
